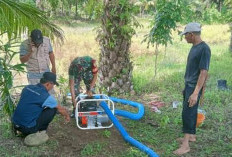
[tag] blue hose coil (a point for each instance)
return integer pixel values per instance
(121, 129)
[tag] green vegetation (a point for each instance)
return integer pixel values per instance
(158, 131)
(92, 149)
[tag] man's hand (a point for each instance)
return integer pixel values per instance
(31, 44)
(63, 112)
(192, 100)
(53, 70)
(89, 93)
(67, 118)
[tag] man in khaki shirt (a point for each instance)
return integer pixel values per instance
(37, 53)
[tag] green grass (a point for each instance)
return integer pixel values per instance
(214, 137)
(92, 149)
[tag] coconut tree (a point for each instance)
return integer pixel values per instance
(115, 70)
(17, 18)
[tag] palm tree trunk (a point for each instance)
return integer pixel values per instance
(115, 70)
(76, 14)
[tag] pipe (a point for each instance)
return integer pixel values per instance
(133, 116)
(124, 134)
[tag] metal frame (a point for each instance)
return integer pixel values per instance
(102, 97)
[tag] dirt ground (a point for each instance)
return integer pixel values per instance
(67, 140)
(71, 140)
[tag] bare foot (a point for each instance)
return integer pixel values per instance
(182, 150)
(191, 139)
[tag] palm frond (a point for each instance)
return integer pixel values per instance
(17, 18)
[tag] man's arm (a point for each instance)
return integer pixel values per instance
(93, 81)
(52, 59)
(89, 92)
(63, 112)
(25, 58)
(201, 80)
(25, 52)
(72, 91)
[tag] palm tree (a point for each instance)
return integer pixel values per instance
(17, 18)
(115, 70)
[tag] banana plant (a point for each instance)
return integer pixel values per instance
(7, 69)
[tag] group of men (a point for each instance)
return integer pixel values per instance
(37, 107)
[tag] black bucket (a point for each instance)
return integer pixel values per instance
(222, 84)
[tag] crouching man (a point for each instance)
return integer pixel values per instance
(36, 109)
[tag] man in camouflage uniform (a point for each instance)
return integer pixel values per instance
(37, 52)
(82, 68)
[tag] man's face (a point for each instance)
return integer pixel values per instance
(50, 86)
(189, 37)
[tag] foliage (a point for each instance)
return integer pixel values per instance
(7, 68)
(106, 133)
(228, 11)
(125, 25)
(146, 6)
(214, 137)
(17, 18)
(63, 89)
(168, 14)
(93, 8)
(92, 149)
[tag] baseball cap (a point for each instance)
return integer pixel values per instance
(49, 76)
(37, 36)
(191, 27)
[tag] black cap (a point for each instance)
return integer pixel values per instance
(49, 76)
(37, 36)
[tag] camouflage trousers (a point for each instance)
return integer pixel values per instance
(87, 77)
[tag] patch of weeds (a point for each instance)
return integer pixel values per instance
(133, 152)
(106, 133)
(92, 149)
(164, 121)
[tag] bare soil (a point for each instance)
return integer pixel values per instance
(71, 140)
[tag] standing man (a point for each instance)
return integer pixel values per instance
(36, 109)
(82, 68)
(37, 52)
(195, 76)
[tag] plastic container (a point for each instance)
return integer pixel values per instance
(200, 119)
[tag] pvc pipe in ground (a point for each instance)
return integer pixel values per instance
(124, 134)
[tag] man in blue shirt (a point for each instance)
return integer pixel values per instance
(37, 108)
(195, 77)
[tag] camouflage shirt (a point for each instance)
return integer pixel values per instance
(81, 67)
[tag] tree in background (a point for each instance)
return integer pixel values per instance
(168, 14)
(228, 17)
(145, 5)
(115, 69)
(17, 18)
